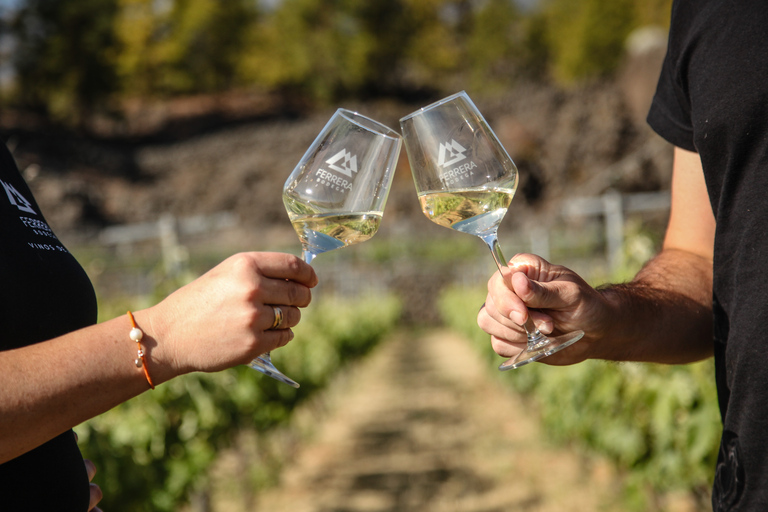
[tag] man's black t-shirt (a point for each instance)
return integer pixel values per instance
(44, 293)
(712, 98)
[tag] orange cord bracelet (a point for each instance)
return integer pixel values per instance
(136, 335)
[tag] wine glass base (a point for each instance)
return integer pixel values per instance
(554, 344)
(267, 368)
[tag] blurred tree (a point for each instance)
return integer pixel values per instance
(653, 12)
(334, 48)
(6, 69)
(278, 56)
(586, 38)
(495, 45)
(320, 48)
(181, 46)
(392, 28)
(137, 64)
(434, 50)
(64, 54)
(73, 57)
(535, 52)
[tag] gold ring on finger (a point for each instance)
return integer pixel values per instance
(278, 317)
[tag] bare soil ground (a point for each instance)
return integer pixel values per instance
(421, 425)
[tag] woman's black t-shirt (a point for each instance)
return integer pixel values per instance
(44, 293)
(712, 98)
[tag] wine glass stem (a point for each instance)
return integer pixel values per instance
(535, 338)
(308, 255)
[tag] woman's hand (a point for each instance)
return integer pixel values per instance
(224, 318)
(95, 490)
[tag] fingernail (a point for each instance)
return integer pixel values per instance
(517, 317)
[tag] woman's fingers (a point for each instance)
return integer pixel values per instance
(95, 490)
(280, 291)
(285, 316)
(276, 339)
(284, 266)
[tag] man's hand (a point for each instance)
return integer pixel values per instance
(555, 297)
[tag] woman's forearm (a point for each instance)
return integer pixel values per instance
(50, 387)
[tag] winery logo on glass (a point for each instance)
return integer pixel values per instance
(449, 157)
(344, 163)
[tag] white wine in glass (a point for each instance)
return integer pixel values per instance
(319, 233)
(335, 196)
(465, 180)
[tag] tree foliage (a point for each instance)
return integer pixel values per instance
(586, 38)
(74, 57)
(64, 53)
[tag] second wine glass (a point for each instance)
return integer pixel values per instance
(336, 194)
(465, 180)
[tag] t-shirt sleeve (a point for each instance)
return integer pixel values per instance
(668, 118)
(670, 112)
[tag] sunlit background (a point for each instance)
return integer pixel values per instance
(157, 135)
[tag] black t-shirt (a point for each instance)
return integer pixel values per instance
(712, 98)
(44, 293)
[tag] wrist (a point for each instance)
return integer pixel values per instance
(159, 360)
(607, 336)
(137, 336)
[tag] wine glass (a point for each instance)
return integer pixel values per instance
(465, 181)
(336, 194)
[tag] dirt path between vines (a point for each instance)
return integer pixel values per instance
(420, 425)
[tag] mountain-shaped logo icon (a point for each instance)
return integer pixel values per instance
(450, 153)
(344, 162)
(16, 199)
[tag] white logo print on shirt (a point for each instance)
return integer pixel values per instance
(37, 227)
(16, 199)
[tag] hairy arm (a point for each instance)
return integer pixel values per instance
(670, 299)
(663, 315)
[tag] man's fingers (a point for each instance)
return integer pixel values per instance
(508, 305)
(506, 348)
(542, 295)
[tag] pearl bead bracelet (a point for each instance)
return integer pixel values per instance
(136, 335)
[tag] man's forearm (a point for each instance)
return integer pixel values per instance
(664, 315)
